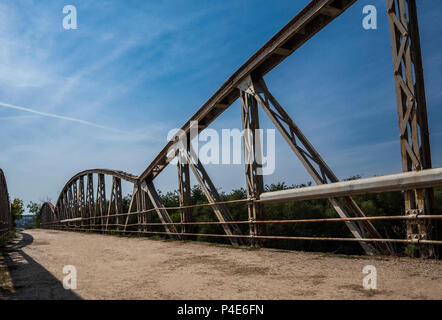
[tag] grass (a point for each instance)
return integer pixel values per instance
(7, 238)
(5, 280)
(5, 277)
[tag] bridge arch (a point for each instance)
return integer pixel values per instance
(47, 214)
(78, 200)
(6, 221)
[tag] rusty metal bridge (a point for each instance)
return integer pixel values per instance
(82, 203)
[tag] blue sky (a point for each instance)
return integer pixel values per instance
(136, 69)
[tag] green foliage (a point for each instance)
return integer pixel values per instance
(410, 250)
(26, 222)
(383, 204)
(6, 238)
(17, 209)
(36, 219)
(35, 208)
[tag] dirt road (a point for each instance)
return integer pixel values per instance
(111, 267)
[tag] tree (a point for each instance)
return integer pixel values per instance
(17, 209)
(35, 208)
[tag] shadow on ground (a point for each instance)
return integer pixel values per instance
(30, 280)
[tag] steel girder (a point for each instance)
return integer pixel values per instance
(313, 18)
(149, 188)
(412, 113)
(184, 189)
(47, 214)
(311, 160)
(319, 13)
(188, 155)
(253, 162)
(77, 199)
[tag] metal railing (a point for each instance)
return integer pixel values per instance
(77, 224)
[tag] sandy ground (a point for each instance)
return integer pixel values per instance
(111, 267)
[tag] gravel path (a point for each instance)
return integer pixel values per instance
(111, 267)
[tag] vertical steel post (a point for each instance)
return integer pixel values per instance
(90, 200)
(412, 114)
(111, 202)
(143, 202)
(118, 201)
(75, 199)
(184, 188)
(138, 195)
(212, 195)
(312, 161)
(65, 205)
(82, 201)
(154, 197)
(252, 161)
(129, 210)
(71, 202)
(101, 199)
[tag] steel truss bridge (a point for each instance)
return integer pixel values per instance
(82, 204)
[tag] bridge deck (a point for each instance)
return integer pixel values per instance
(111, 267)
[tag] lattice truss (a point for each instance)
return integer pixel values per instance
(76, 204)
(411, 108)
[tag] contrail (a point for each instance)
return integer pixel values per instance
(51, 115)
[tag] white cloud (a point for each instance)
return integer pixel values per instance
(51, 115)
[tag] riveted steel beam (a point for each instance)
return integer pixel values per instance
(412, 114)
